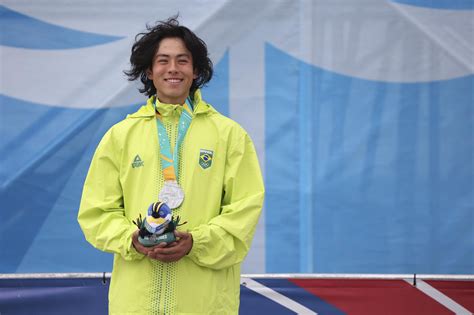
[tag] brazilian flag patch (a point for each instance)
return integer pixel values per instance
(205, 158)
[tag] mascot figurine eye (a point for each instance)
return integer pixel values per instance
(158, 226)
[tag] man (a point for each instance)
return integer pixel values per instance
(208, 158)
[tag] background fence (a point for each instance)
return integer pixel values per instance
(334, 294)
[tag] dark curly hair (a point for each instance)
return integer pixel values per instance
(146, 44)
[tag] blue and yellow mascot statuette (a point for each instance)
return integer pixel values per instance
(158, 226)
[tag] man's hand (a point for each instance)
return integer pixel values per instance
(174, 251)
(138, 246)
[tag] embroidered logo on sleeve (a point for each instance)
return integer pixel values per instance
(205, 158)
(137, 162)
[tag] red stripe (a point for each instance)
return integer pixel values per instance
(462, 292)
(373, 297)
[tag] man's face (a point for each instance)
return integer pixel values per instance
(172, 71)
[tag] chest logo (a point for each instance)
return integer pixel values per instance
(205, 158)
(137, 162)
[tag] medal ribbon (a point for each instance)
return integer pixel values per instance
(169, 162)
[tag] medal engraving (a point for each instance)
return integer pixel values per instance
(171, 194)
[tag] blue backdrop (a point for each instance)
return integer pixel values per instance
(362, 117)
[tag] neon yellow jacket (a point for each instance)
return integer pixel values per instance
(222, 205)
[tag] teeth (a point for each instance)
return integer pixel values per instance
(174, 80)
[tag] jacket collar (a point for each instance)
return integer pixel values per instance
(148, 110)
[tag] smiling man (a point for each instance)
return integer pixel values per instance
(172, 71)
(176, 149)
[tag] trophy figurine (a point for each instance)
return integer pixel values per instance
(158, 226)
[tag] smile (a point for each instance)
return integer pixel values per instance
(173, 80)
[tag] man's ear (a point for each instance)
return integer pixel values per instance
(195, 74)
(149, 74)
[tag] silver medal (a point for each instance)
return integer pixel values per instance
(171, 194)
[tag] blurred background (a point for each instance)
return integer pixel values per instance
(361, 113)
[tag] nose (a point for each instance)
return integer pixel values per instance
(172, 66)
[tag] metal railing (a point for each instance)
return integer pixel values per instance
(102, 275)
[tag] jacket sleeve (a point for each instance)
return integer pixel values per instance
(226, 239)
(101, 213)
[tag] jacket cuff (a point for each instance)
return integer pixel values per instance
(130, 252)
(198, 240)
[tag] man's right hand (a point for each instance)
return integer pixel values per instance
(138, 246)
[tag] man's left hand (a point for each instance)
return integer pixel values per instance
(174, 251)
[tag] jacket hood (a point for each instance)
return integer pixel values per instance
(148, 110)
